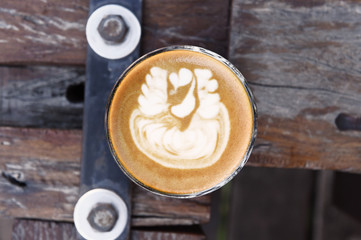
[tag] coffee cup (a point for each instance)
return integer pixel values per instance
(181, 121)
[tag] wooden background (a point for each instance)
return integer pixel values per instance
(301, 59)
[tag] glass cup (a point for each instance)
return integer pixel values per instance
(161, 148)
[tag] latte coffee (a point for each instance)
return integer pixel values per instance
(181, 121)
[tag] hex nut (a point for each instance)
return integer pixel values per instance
(112, 29)
(103, 217)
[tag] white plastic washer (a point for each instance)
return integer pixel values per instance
(98, 44)
(87, 202)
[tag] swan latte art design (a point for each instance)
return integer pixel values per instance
(185, 132)
(181, 121)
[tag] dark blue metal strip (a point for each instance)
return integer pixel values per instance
(98, 169)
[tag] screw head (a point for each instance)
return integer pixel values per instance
(112, 29)
(103, 217)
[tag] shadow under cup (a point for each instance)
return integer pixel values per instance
(181, 121)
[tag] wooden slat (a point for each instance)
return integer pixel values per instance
(40, 172)
(167, 235)
(47, 230)
(43, 31)
(151, 209)
(53, 31)
(40, 179)
(302, 60)
(202, 23)
(41, 96)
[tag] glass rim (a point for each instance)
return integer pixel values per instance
(239, 76)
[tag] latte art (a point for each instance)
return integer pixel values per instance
(180, 121)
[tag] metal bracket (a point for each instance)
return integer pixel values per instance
(116, 25)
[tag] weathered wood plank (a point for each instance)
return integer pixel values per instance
(42, 230)
(151, 209)
(44, 31)
(6, 225)
(41, 96)
(53, 31)
(40, 171)
(202, 23)
(24, 229)
(302, 60)
(166, 235)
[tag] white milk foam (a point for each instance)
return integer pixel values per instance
(155, 124)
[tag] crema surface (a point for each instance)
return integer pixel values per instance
(180, 122)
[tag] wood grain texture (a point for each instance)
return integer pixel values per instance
(24, 229)
(43, 31)
(167, 235)
(53, 31)
(43, 230)
(40, 171)
(151, 209)
(302, 61)
(170, 22)
(41, 96)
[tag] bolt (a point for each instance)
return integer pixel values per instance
(103, 217)
(112, 29)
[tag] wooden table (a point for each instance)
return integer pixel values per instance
(301, 58)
